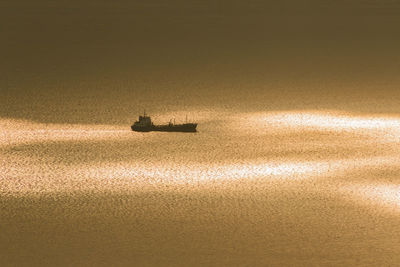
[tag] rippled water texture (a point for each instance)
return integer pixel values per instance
(278, 188)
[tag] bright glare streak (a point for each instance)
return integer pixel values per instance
(334, 121)
(321, 120)
(278, 170)
(387, 195)
(109, 176)
(14, 132)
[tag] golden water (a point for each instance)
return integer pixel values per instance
(296, 162)
(277, 188)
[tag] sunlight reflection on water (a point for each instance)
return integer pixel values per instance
(41, 166)
(387, 195)
(387, 127)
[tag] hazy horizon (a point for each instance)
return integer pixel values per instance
(127, 56)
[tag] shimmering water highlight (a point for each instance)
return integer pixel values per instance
(251, 188)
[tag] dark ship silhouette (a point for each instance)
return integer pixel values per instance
(144, 124)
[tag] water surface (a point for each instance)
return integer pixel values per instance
(279, 188)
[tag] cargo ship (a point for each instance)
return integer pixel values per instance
(144, 124)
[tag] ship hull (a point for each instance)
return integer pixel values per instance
(185, 128)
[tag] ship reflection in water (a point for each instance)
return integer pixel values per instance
(144, 124)
(272, 188)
